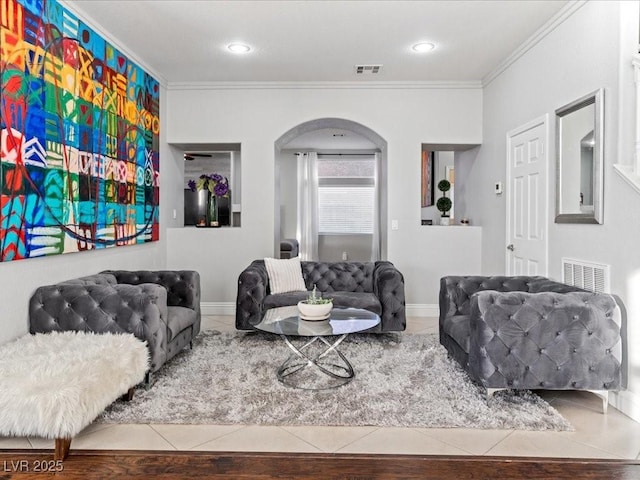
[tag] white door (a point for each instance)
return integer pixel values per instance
(527, 199)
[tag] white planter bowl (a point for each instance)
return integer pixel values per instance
(314, 312)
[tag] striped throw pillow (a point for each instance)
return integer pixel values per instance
(285, 275)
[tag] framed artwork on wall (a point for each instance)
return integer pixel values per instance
(427, 179)
(79, 143)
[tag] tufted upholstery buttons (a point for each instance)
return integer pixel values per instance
(178, 283)
(101, 303)
(533, 333)
(375, 286)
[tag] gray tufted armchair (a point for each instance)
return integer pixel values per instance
(527, 332)
(374, 286)
(160, 307)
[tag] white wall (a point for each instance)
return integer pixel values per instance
(583, 54)
(256, 117)
(19, 279)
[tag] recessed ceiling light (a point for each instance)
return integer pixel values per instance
(239, 48)
(423, 47)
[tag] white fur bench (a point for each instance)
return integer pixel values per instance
(55, 384)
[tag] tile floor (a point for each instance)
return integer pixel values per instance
(596, 435)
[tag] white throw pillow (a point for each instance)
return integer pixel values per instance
(285, 275)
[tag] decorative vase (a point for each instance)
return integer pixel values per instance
(444, 221)
(212, 210)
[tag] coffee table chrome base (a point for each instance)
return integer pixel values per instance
(299, 360)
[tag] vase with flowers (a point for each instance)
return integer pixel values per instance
(216, 186)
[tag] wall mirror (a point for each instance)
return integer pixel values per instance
(579, 164)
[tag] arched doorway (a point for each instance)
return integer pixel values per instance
(371, 137)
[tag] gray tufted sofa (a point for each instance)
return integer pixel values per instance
(161, 307)
(528, 332)
(374, 286)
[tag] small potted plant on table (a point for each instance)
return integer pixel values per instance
(315, 307)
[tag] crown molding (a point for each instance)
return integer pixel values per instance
(72, 6)
(554, 22)
(323, 85)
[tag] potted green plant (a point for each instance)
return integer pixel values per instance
(315, 307)
(444, 203)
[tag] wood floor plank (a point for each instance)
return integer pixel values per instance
(166, 465)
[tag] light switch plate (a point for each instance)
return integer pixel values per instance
(394, 224)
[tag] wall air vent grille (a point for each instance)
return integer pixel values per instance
(367, 69)
(587, 275)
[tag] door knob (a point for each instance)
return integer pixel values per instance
(510, 247)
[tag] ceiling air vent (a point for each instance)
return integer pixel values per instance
(587, 275)
(368, 69)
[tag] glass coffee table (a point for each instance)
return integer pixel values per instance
(319, 350)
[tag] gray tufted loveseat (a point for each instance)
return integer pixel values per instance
(374, 286)
(160, 307)
(527, 332)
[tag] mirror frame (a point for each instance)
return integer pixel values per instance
(597, 99)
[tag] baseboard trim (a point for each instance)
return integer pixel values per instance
(218, 308)
(229, 308)
(423, 310)
(627, 402)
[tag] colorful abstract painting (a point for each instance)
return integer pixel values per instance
(79, 163)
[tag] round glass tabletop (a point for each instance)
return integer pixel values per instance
(286, 321)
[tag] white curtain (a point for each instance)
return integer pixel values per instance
(307, 225)
(375, 240)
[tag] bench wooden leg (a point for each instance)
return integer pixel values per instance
(128, 396)
(62, 448)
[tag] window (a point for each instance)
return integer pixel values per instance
(346, 195)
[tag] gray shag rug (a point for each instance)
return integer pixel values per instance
(402, 380)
